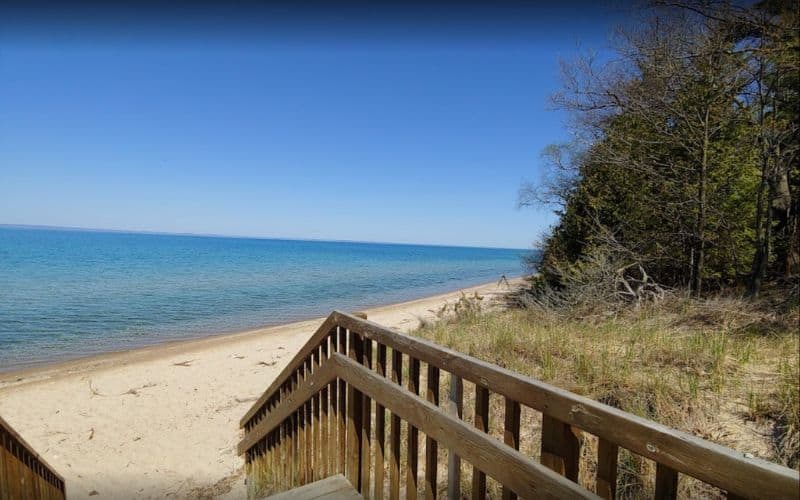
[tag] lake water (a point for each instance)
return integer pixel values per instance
(67, 293)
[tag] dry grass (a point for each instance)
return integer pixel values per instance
(722, 369)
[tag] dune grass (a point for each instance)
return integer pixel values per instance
(721, 369)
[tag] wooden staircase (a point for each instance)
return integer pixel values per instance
(331, 488)
(23, 472)
(350, 403)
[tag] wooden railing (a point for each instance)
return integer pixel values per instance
(329, 410)
(23, 473)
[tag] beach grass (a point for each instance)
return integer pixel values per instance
(722, 369)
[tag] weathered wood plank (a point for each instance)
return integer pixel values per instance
(455, 407)
(394, 466)
(607, 453)
(560, 448)
(511, 436)
(342, 341)
(294, 432)
(355, 403)
(380, 427)
(324, 418)
(412, 454)
(332, 488)
(366, 426)
(316, 423)
(431, 446)
(306, 426)
(482, 424)
(666, 483)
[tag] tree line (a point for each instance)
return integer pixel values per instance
(684, 157)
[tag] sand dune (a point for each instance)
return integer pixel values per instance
(162, 422)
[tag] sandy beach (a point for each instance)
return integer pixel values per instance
(162, 421)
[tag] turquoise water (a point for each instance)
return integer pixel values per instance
(65, 293)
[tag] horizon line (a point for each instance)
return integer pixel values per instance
(233, 236)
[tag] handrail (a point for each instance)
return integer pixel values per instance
(16, 453)
(732, 471)
(508, 466)
(322, 331)
(674, 451)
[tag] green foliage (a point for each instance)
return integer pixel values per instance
(689, 145)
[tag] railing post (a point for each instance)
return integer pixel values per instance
(324, 417)
(412, 471)
(316, 431)
(342, 445)
(666, 483)
(482, 423)
(380, 427)
(455, 407)
(294, 431)
(431, 446)
(355, 423)
(560, 448)
(606, 469)
(366, 423)
(394, 468)
(511, 436)
(309, 438)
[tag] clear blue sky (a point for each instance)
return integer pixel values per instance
(373, 129)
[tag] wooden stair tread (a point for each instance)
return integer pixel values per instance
(330, 488)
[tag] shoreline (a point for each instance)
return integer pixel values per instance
(163, 420)
(27, 370)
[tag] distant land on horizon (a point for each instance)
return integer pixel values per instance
(45, 227)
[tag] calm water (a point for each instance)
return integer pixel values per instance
(68, 293)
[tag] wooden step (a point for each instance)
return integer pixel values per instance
(334, 487)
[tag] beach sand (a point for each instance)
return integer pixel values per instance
(163, 421)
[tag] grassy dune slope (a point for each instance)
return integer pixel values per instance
(722, 369)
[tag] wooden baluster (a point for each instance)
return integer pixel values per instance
(560, 448)
(279, 445)
(342, 406)
(333, 448)
(380, 427)
(412, 472)
(324, 416)
(294, 436)
(283, 457)
(355, 423)
(394, 467)
(607, 453)
(666, 483)
(271, 461)
(316, 463)
(4, 466)
(301, 434)
(455, 406)
(482, 423)
(309, 454)
(511, 436)
(366, 424)
(431, 446)
(285, 445)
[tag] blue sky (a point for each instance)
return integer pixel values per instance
(397, 132)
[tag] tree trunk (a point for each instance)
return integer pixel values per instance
(759, 261)
(697, 272)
